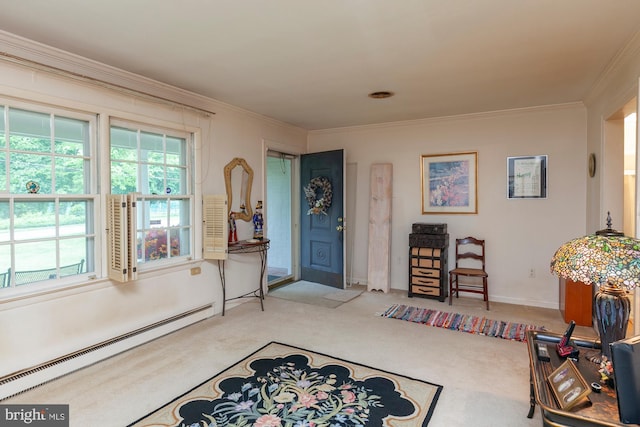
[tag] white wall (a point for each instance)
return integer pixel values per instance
(38, 329)
(616, 87)
(520, 234)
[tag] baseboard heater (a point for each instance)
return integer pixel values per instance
(26, 379)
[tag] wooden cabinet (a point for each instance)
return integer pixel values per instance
(576, 302)
(428, 265)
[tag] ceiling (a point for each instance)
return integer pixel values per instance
(312, 63)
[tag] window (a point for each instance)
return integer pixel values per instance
(154, 166)
(47, 195)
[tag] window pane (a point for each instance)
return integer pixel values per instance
(35, 256)
(24, 168)
(4, 222)
(155, 179)
(139, 245)
(175, 179)
(155, 244)
(157, 214)
(34, 220)
(29, 131)
(3, 172)
(72, 136)
(70, 175)
(180, 241)
(73, 218)
(73, 252)
(5, 264)
(179, 214)
(124, 178)
(151, 148)
(124, 144)
(3, 140)
(176, 151)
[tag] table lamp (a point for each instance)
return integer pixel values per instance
(610, 261)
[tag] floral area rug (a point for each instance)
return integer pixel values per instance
(281, 385)
(461, 322)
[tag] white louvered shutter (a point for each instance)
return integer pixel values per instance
(132, 234)
(117, 248)
(215, 227)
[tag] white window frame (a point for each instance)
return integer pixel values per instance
(190, 136)
(93, 220)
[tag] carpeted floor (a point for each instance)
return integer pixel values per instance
(285, 385)
(315, 294)
(486, 381)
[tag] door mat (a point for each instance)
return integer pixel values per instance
(314, 294)
(342, 295)
(479, 325)
(281, 385)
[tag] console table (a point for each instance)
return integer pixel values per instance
(246, 247)
(601, 409)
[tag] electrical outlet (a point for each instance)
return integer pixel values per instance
(532, 273)
(195, 270)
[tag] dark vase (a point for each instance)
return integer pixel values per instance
(612, 307)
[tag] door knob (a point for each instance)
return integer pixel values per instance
(340, 228)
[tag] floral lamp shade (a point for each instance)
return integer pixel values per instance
(611, 262)
(599, 260)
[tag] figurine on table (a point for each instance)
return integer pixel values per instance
(233, 231)
(258, 222)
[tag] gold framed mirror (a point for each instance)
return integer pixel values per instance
(238, 178)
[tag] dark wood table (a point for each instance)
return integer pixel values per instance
(599, 409)
(246, 247)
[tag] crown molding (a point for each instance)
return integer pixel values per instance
(29, 52)
(14, 48)
(452, 118)
(624, 57)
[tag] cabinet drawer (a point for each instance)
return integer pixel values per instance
(425, 262)
(427, 281)
(425, 272)
(423, 290)
(426, 252)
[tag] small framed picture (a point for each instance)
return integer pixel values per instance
(568, 385)
(527, 177)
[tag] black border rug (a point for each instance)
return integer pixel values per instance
(281, 385)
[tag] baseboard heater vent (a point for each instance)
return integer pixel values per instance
(26, 379)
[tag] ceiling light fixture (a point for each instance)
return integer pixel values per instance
(381, 94)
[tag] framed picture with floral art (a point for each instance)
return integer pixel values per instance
(449, 183)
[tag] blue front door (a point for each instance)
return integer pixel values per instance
(321, 231)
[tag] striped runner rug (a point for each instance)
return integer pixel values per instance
(461, 322)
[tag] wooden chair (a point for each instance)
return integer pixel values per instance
(470, 264)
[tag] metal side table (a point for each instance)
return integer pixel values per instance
(246, 247)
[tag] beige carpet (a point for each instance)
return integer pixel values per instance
(486, 381)
(315, 294)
